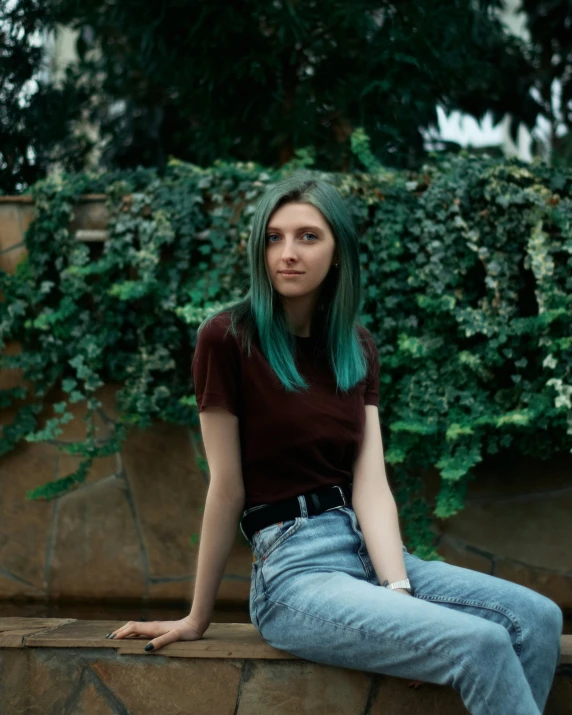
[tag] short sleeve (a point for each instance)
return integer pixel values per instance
(371, 396)
(216, 367)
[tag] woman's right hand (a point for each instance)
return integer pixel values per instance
(161, 632)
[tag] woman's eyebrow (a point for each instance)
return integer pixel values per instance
(302, 228)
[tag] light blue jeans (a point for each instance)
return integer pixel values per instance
(315, 594)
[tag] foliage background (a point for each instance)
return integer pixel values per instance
(467, 273)
(260, 80)
(39, 121)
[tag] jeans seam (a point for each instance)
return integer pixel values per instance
(390, 640)
(480, 604)
(253, 598)
(364, 558)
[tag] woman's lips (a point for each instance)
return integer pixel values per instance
(291, 273)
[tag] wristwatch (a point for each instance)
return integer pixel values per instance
(404, 583)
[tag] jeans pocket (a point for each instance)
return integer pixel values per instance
(267, 539)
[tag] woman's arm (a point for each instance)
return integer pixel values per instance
(374, 505)
(218, 534)
(377, 515)
(223, 507)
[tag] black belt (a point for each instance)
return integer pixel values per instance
(318, 501)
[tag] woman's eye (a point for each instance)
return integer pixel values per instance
(272, 235)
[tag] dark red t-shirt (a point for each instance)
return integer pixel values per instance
(290, 443)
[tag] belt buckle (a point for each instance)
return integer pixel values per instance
(336, 486)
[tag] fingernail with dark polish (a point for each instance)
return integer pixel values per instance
(107, 636)
(149, 646)
(113, 636)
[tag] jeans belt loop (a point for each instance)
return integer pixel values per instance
(316, 502)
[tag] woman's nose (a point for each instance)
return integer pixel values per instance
(289, 250)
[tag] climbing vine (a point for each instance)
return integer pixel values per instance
(467, 285)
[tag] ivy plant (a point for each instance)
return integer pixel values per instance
(467, 291)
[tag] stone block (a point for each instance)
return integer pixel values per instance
(90, 213)
(179, 591)
(291, 688)
(500, 479)
(496, 478)
(169, 493)
(25, 524)
(155, 684)
(96, 552)
(15, 217)
(232, 592)
(536, 531)
(239, 564)
(14, 587)
(455, 552)
(69, 667)
(101, 468)
(11, 258)
(557, 587)
(393, 696)
(52, 682)
(91, 702)
(14, 680)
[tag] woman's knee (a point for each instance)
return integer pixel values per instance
(548, 615)
(488, 638)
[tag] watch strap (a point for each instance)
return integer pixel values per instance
(403, 583)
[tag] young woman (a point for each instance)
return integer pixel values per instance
(287, 390)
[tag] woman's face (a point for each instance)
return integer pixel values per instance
(298, 238)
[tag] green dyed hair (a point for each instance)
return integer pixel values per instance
(335, 319)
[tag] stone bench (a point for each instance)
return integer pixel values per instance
(66, 666)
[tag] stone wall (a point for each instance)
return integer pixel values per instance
(126, 533)
(516, 524)
(53, 666)
(16, 214)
